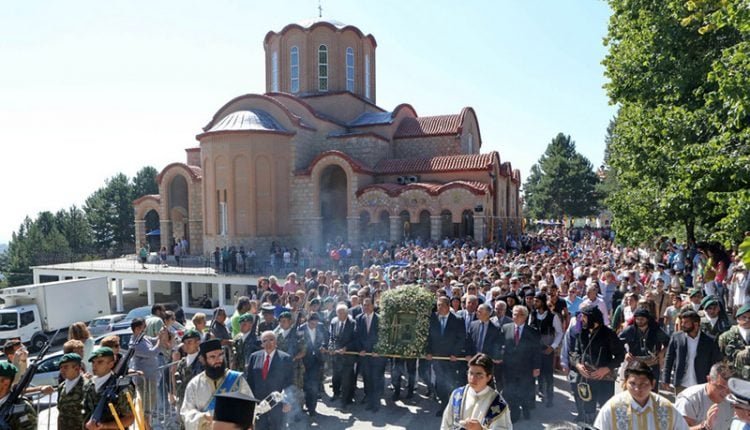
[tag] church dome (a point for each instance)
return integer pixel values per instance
(248, 120)
(319, 56)
(308, 23)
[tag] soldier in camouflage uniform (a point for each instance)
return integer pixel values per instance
(289, 341)
(23, 416)
(735, 343)
(103, 362)
(714, 320)
(70, 392)
(245, 343)
(188, 366)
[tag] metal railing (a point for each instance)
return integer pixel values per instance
(160, 405)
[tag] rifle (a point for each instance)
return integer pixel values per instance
(115, 383)
(9, 407)
(213, 324)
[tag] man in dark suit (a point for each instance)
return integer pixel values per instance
(343, 338)
(521, 361)
(373, 367)
(315, 344)
(469, 312)
(686, 346)
(485, 337)
(267, 371)
(447, 338)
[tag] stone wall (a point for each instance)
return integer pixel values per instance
(425, 147)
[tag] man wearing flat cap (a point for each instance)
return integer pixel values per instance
(735, 343)
(70, 392)
(102, 363)
(234, 411)
(197, 410)
(189, 366)
(23, 416)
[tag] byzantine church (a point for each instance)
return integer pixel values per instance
(316, 160)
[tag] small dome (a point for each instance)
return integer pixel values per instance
(248, 120)
(307, 23)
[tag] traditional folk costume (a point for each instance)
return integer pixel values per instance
(622, 412)
(487, 406)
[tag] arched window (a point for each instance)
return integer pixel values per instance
(322, 68)
(275, 71)
(350, 69)
(294, 69)
(367, 76)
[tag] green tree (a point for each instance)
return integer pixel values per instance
(37, 242)
(144, 182)
(109, 211)
(608, 183)
(76, 229)
(671, 165)
(562, 183)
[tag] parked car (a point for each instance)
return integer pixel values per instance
(48, 370)
(124, 334)
(144, 312)
(104, 324)
(139, 312)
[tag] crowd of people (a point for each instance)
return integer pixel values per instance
(569, 303)
(620, 323)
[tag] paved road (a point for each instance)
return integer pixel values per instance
(418, 413)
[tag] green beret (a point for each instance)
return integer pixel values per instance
(709, 301)
(315, 301)
(247, 317)
(70, 357)
(285, 314)
(7, 370)
(694, 292)
(102, 351)
(191, 334)
(742, 310)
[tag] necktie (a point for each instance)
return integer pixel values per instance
(517, 337)
(369, 321)
(266, 366)
(442, 326)
(480, 342)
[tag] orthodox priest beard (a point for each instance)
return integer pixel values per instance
(216, 372)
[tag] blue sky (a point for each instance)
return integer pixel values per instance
(91, 88)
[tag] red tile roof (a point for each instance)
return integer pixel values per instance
(441, 125)
(445, 163)
(195, 172)
(356, 165)
(432, 188)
